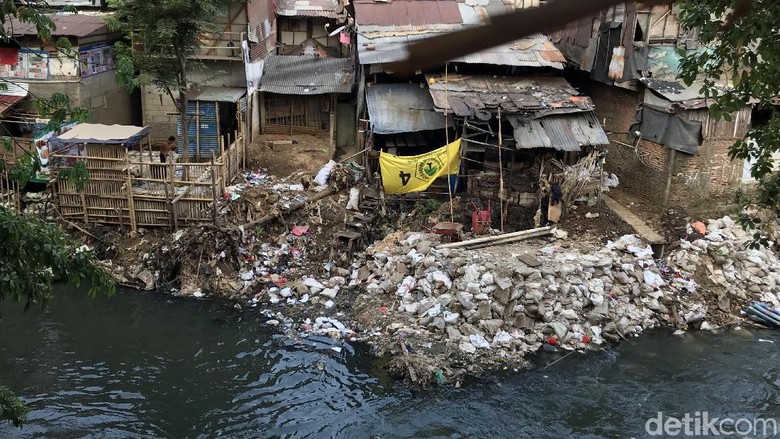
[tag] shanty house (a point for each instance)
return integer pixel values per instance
(509, 104)
(664, 145)
(300, 94)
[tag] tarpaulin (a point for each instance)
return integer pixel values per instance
(670, 129)
(9, 56)
(401, 175)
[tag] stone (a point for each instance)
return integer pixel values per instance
(473, 288)
(465, 301)
(469, 329)
(481, 297)
(328, 292)
(484, 310)
(559, 329)
(569, 314)
(438, 323)
(453, 333)
(423, 247)
(491, 326)
(401, 269)
(451, 317)
(363, 273)
(598, 314)
(503, 296)
(504, 283)
(529, 260)
(466, 347)
(487, 279)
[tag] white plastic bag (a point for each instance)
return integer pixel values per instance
(354, 199)
(322, 176)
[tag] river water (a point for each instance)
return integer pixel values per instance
(142, 365)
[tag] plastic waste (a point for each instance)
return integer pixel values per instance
(439, 377)
(354, 199)
(322, 176)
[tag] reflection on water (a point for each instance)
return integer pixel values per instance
(141, 365)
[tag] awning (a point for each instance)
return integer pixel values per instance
(99, 133)
(217, 94)
(564, 132)
(401, 108)
(13, 93)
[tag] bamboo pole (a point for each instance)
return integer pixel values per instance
(130, 201)
(522, 233)
(501, 195)
(213, 189)
(297, 206)
(507, 240)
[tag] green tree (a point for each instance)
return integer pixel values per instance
(34, 254)
(738, 67)
(165, 37)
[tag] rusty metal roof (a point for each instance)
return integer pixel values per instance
(533, 51)
(564, 132)
(480, 96)
(217, 94)
(307, 8)
(307, 75)
(401, 108)
(66, 25)
(407, 12)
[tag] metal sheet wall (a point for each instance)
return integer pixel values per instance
(203, 132)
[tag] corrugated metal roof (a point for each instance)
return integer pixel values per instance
(307, 75)
(533, 51)
(564, 132)
(527, 95)
(678, 93)
(217, 94)
(401, 108)
(407, 12)
(67, 25)
(307, 8)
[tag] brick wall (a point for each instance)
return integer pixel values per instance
(696, 180)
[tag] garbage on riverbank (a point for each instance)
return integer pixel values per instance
(297, 252)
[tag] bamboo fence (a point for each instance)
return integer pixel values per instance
(136, 192)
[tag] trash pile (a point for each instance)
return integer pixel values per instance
(496, 305)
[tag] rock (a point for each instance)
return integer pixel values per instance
(423, 247)
(453, 333)
(469, 329)
(466, 347)
(481, 297)
(504, 283)
(438, 323)
(502, 296)
(363, 273)
(328, 292)
(598, 314)
(473, 288)
(401, 269)
(487, 279)
(529, 260)
(465, 300)
(484, 310)
(147, 278)
(569, 314)
(491, 326)
(559, 329)
(329, 304)
(451, 317)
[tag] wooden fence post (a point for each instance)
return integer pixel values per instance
(213, 189)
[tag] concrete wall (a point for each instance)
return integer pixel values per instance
(109, 102)
(645, 171)
(159, 113)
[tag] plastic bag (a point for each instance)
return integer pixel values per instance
(322, 176)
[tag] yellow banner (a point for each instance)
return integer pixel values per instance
(415, 173)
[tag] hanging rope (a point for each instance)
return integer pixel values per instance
(447, 136)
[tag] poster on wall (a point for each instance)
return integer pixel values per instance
(31, 64)
(96, 59)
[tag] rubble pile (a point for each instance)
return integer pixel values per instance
(500, 304)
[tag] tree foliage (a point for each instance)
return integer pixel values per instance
(165, 38)
(738, 67)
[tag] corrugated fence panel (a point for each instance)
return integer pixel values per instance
(203, 132)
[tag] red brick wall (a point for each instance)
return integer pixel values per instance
(643, 172)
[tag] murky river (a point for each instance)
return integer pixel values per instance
(141, 365)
